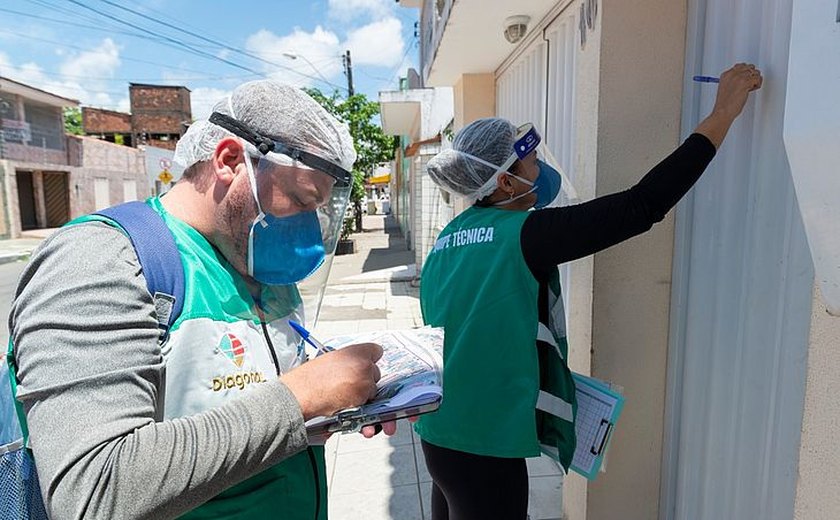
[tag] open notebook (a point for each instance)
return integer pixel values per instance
(411, 383)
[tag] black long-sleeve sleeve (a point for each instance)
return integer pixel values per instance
(555, 235)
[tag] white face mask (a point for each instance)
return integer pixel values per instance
(490, 185)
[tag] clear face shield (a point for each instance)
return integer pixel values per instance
(301, 199)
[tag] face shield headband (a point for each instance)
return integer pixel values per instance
(266, 145)
(551, 180)
(527, 140)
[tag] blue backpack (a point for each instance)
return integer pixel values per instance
(20, 494)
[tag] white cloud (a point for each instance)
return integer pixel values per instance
(203, 99)
(79, 76)
(124, 105)
(346, 10)
(99, 62)
(379, 43)
(317, 55)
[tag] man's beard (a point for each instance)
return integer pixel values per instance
(235, 217)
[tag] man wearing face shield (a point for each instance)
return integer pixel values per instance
(492, 282)
(209, 423)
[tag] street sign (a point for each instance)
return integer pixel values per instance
(165, 177)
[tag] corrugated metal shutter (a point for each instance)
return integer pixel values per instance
(56, 199)
(520, 89)
(742, 290)
(562, 74)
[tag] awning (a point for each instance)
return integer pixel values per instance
(381, 179)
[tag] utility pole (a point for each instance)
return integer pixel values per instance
(348, 71)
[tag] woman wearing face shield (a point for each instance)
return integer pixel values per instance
(492, 282)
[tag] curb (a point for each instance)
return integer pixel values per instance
(14, 257)
(383, 279)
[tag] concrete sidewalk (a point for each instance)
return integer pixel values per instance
(13, 250)
(386, 478)
(17, 249)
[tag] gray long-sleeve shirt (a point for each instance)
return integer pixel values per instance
(90, 371)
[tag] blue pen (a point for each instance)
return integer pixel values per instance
(707, 79)
(307, 337)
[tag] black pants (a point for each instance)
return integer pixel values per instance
(476, 487)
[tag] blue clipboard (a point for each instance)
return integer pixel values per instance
(598, 409)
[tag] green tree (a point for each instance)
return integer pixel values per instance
(73, 121)
(373, 147)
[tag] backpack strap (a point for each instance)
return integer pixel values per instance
(158, 255)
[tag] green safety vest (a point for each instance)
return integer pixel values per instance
(216, 352)
(507, 391)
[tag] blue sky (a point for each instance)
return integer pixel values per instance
(73, 48)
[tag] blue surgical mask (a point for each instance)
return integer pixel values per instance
(283, 250)
(547, 186)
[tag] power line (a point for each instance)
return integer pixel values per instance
(95, 51)
(209, 40)
(134, 80)
(167, 38)
(67, 22)
(109, 30)
(402, 62)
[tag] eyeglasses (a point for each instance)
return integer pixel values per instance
(266, 145)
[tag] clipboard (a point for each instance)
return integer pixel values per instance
(598, 409)
(411, 382)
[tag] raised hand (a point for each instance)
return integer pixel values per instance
(733, 90)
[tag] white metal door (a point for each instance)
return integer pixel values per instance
(742, 288)
(101, 193)
(129, 190)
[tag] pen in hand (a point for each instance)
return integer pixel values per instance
(307, 337)
(706, 79)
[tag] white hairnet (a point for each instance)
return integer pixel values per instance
(284, 113)
(456, 170)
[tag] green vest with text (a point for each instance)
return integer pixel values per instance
(507, 389)
(217, 351)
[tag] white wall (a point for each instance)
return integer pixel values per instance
(812, 134)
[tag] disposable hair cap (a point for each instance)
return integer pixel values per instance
(282, 112)
(467, 167)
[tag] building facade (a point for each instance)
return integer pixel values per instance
(420, 117)
(49, 177)
(712, 322)
(107, 125)
(160, 114)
